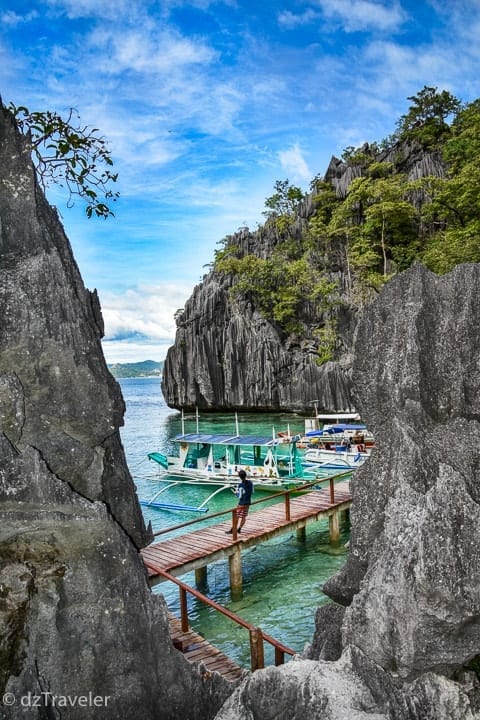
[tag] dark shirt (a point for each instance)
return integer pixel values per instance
(244, 492)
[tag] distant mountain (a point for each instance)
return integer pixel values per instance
(147, 368)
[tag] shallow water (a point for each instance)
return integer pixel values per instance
(282, 579)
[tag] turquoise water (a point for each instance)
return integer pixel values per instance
(282, 579)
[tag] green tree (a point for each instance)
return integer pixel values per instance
(282, 205)
(70, 155)
(378, 222)
(454, 206)
(426, 119)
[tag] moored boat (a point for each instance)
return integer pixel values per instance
(271, 463)
(338, 446)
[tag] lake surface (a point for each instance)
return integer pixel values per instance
(282, 579)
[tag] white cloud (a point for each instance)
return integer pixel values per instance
(140, 323)
(364, 15)
(398, 69)
(145, 310)
(291, 20)
(106, 9)
(13, 19)
(148, 51)
(294, 164)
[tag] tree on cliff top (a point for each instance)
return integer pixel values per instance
(426, 119)
(70, 155)
(283, 204)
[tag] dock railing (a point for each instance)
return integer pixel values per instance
(285, 493)
(257, 636)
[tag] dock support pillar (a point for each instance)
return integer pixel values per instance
(235, 564)
(301, 534)
(201, 577)
(334, 528)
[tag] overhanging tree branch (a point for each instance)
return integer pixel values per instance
(70, 155)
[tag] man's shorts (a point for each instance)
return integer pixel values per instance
(242, 511)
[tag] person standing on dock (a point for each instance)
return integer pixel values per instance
(244, 492)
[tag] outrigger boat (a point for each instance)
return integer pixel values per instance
(339, 446)
(273, 464)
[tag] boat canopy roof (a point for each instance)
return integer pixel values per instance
(227, 439)
(338, 416)
(340, 428)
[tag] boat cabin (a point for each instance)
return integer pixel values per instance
(225, 455)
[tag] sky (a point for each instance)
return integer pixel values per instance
(205, 105)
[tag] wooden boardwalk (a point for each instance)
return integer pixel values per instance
(197, 549)
(196, 649)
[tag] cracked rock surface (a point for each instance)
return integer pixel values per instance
(77, 618)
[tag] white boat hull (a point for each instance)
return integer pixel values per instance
(334, 459)
(226, 477)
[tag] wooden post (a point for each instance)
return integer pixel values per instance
(301, 534)
(334, 528)
(332, 491)
(279, 656)
(235, 565)
(234, 524)
(201, 577)
(183, 609)
(257, 660)
(287, 506)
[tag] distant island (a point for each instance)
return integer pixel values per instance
(147, 368)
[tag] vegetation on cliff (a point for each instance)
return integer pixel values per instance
(394, 210)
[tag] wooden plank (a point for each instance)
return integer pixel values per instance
(213, 659)
(262, 525)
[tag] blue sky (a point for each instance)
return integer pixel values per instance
(205, 105)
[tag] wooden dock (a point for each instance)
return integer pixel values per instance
(196, 649)
(195, 550)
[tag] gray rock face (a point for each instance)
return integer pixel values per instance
(416, 516)
(228, 355)
(327, 641)
(77, 619)
(411, 584)
(50, 364)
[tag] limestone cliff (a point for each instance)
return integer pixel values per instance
(404, 641)
(227, 354)
(77, 619)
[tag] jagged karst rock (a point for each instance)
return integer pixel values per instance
(416, 512)
(228, 355)
(303, 690)
(76, 613)
(410, 590)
